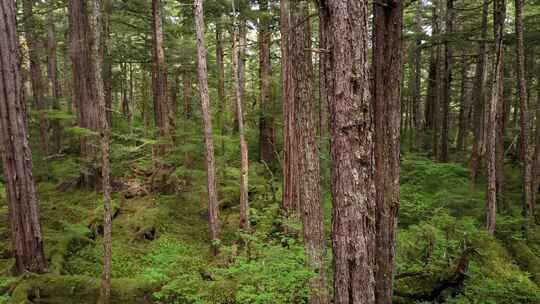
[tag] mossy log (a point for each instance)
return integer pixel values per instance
(55, 289)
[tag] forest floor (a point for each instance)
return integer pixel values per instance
(161, 245)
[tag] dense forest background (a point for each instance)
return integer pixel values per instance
(263, 151)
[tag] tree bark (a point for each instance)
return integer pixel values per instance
(290, 203)
(221, 81)
(52, 74)
(239, 72)
(478, 99)
(417, 71)
(161, 108)
(528, 204)
(447, 82)
(463, 128)
(352, 150)
(266, 118)
(387, 69)
(308, 149)
(202, 71)
(21, 194)
(95, 19)
(36, 76)
(432, 100)
(107, 60)
(188, 96)
(499, 12)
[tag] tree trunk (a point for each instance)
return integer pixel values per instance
(417, 71)
(528, 204)
(387, 69)
(499, 12)
(213, 210)
(432, 101)
(447, 82)
(266, 115)
(239, 72)
(84, 87)
(161, 108)
(463, 128)
(52, 74)
(97, 61)
(107, 62)
(478, 99)
(36, 77)
(21, 193)
(188, 96)
(352, 150)
(221, 81)
(536, 162)
(290, 163)
(308, 156)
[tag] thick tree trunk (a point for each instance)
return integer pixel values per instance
(21, 192)
(213, 210)
(97, 60)
(387, 69)
(432, 100)
(290, 155)
(239, 72)
(528, 204)
(308, 156)
(52, 74)
(161, 108)
(266, 119)
(36, 77)
(352, 150)
(499, 12)
(84, 88)
(447, 82)
(417, 71)
(478, 99)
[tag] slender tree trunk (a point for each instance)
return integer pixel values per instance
(499, 12)
(213, 210)
(352, 150)
(478, 99)
(95, 20)
(36, 77)
(52, 74)
(308, 156)
(188, 96)
(447, 82)
(290, 156)
(417, 71)
(266, 121)
(432, 101)
(21, 193)
(528, 204)
(463, 106)
(387, 69)
(221, 81)
(161, 108)
(536, 162)
(239, 72)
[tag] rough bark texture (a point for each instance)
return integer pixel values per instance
(352, 150)
(161, 108)
(95, 20)
(528, 204)
(308, 156)
(463, 124)
(202, 71)
(447, 82)
(84, 88)
(478, 99)
(417, 71)
(52, 75)
(107, 60)
(536, 161)
(36, 76)
(221, 81)
(290, 163)
(21, 195)
(432, 99)
(499, 12)
(387, 70)
(239, 72)
(266, 119)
